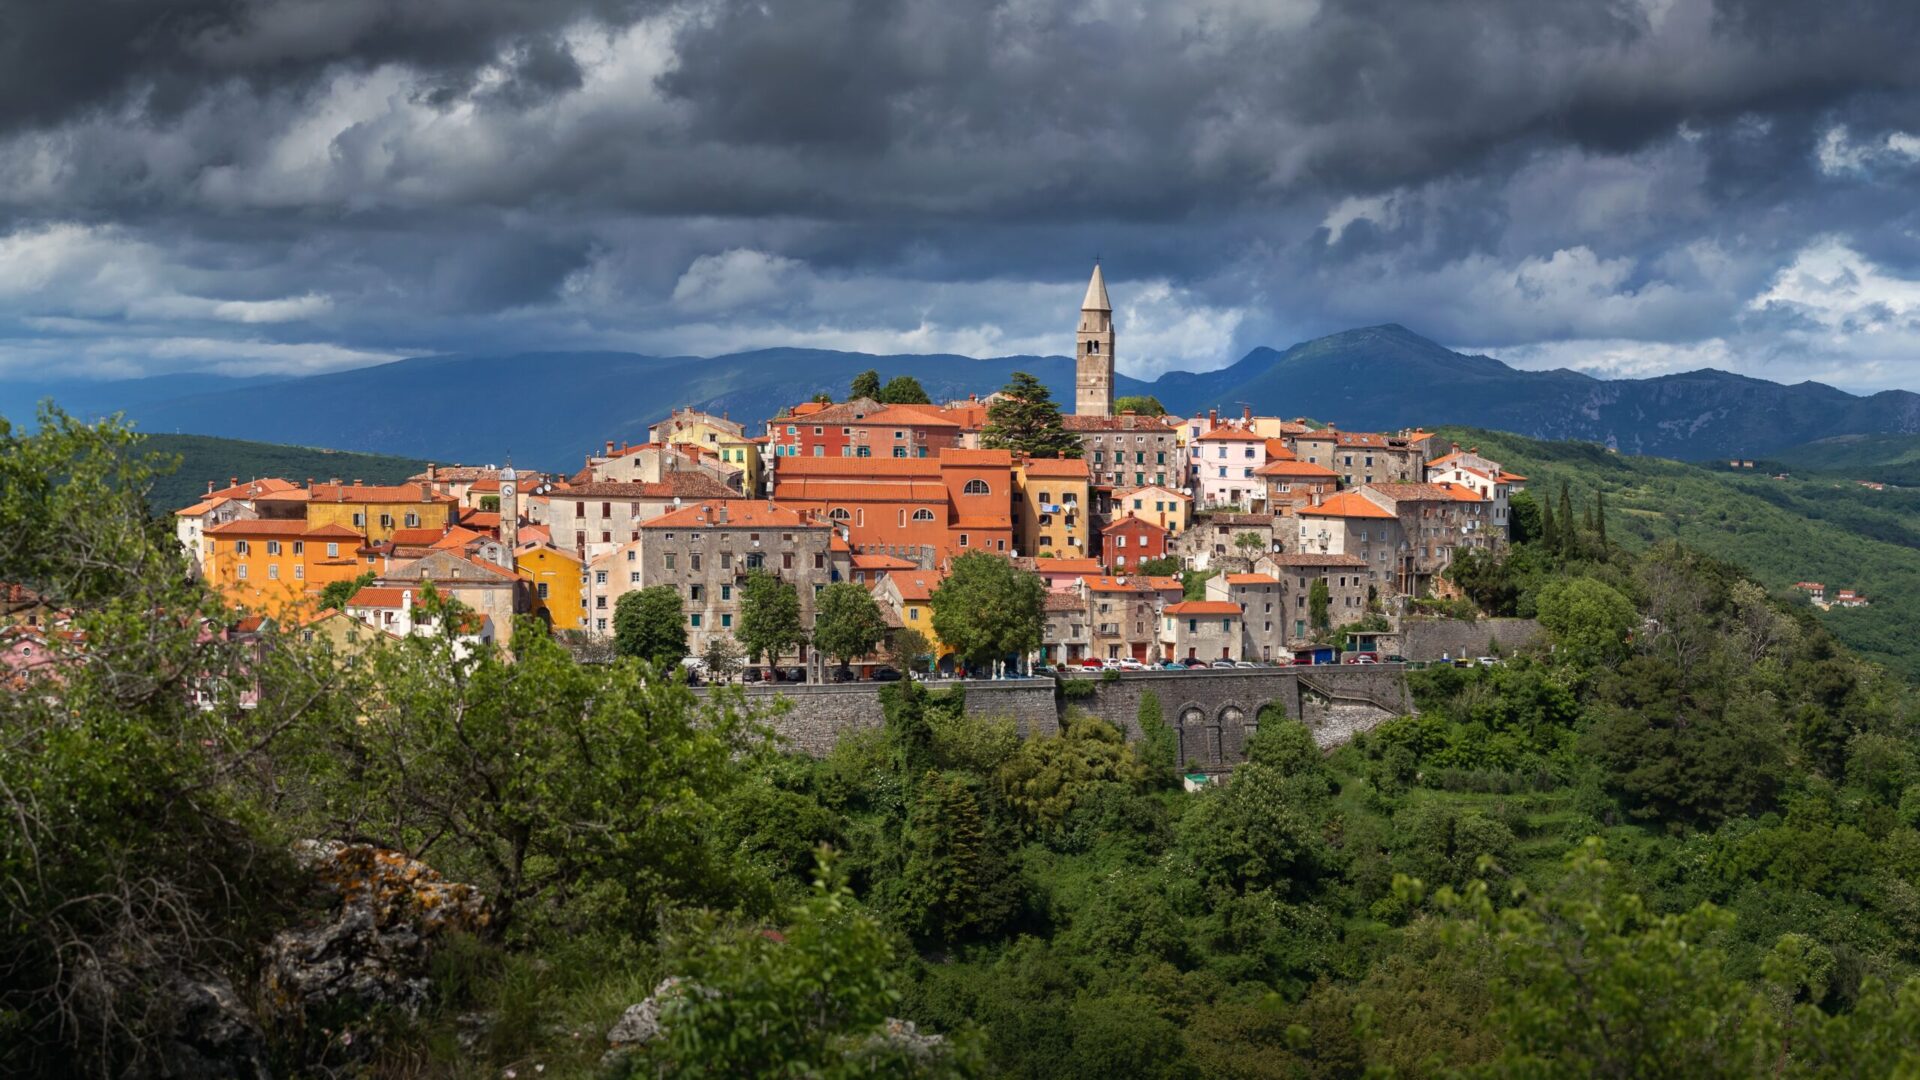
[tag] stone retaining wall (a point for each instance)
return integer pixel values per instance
(819, 714)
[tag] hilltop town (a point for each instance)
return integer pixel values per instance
(1160, 540)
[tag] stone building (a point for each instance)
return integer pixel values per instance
(1201, 630)
(1362, 457)
(1122, 614)
(1129, 451)
(1432, 521)
(592, 519)
(1213, 540)
(1064, 638)
(705, 552)
(1347, 581)
(1349, 523)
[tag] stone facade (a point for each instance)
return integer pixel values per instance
(1093, 351)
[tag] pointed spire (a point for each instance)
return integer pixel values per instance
(1096, 293)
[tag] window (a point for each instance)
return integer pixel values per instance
(693, 592)
(786, 560)
(299, 547)
(242, 574)
(299, 573)
(726, 620)
(923, 514)
(726, 592)
(386, 521)
(670, 560)
(273, 571)
(413, 520)
(600, 624)
(599, 577)
(241, 547)
(693, 561)
(579, 509)
(839, 513)
(633, 577)
(333, 551)
(963, 539)
(913, 614)
(542, 587)
(359, 520)
(630, 554)
(273, 547)
(600, 602)
(606, 509)
(975, 487)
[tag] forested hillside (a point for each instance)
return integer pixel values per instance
(1807, 528)
(1888, 459)
(204, 458)
(1682, 842)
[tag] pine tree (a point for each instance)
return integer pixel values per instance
(1026, 420)
(865, 385)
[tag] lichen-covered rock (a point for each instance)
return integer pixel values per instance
(213, 1037)
(387, 911)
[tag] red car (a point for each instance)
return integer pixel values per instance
(1361, 658)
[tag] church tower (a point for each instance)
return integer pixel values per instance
(1093, 352)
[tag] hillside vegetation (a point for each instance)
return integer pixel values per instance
(1682, 841)
(1889, 459)
(1803, 529)
(204, 458)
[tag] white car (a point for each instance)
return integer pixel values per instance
(1129, 664)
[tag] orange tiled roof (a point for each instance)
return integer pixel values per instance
(1350, 504)
(852, 468)
(1307, 558)
(375, 493)
(1112, 584)
(1461, 492)
(1063, 468)
(1161, 583)
(850, 490)
(882, 562)
(1296, 469)
(1227, 434)
(1130, 492)
(379, 596)
(1129, 522)
(1252, 579)
(908, 416)
(740, 513)
(915, 586)
(954, 455)
(1203, 607)
(1277, 450)
(1067, 566)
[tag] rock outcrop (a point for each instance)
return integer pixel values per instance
(372, 952)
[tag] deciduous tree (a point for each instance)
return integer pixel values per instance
(986, 610)
(847, 622)
(648, 625)
(769, 617)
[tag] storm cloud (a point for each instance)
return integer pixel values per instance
(293, 185)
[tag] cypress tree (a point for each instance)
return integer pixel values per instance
(1600, 518)
(1549, 529)
(1569, 532)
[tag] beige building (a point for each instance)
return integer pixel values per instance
(593, 518)
(1264, 623)
(1065, 638)
(1122, 616)
(1162, 505)
(492, 591)
(1201, 630)
(1361, 457)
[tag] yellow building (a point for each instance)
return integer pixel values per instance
(1051, 506)
(274, 567)
(556, 581)
(375, 511)
(744, 452)
(908, 594)
(1163, 506)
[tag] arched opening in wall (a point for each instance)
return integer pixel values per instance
(1232, 728)
(1193, 737)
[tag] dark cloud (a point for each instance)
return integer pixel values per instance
(526, 173)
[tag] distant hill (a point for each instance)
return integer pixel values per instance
(204, 458)
(1804, 529)
(547, 409)
(1889, 459)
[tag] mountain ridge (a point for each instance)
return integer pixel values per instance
(1385, 377)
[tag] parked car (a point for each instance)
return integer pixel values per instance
(885, 674)
(1489, 661)
(1093, 663)
(1173, 665)
(1127, 663)
(1392, 659)
(1281, 661)
(1194, 662)
(1221, 664)
(1361, 658)
(790, 674)
(753, 675)
(1245, 663)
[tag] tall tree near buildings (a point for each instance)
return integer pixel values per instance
(903, 390)
(1549, 528)
(1523, 516)
(1600, 519)
(865, 385)
(648, 625)
(769, 617)
(1142, 404)
(986, 610)
(909, 650)
(1026, 420)
(1318, 601)
(846, 622)
(723, 657)
(335, 594)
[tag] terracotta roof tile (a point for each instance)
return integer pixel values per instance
(1203, 607)
(1350, 504)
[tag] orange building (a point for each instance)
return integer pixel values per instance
(375, 511)
(275, 567)
(961, 500)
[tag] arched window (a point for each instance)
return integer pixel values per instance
(975, 487)
(924, 514)
(838, 513)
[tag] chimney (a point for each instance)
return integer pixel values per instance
(309, 483)
(433, 472)
(233, 481)
(609, 447)
(1456, 448)
(1246, 413)
(357, 482)
(1213, 417)
(723, 513)
(210, 484)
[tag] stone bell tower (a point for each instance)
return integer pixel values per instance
(1093, 352)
